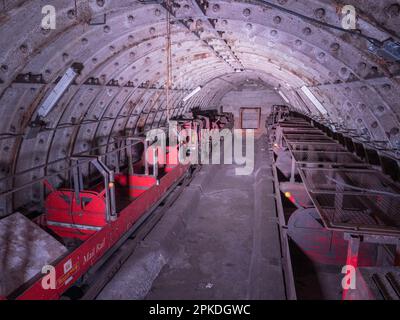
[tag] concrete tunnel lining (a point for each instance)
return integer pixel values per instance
(240, 53)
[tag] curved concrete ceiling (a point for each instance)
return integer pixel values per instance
(122, 45)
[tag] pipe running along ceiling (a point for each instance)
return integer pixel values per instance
(218, 45)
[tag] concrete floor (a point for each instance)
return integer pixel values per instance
(226, 246)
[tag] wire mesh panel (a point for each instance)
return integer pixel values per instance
(331, 158)
(353, 198)
(302, 125)
(296, 121)
(301, 130)
(307, 146)
(367, 213)
(345, 180)
(306, 137)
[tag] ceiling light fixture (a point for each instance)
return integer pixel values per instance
(194, 92)
(60, 88)
(314, 100)
(283, 96)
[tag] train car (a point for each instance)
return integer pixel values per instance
(86, 220)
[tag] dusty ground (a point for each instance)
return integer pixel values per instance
(225, 242)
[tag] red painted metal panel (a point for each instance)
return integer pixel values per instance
(62, 209)
(70, 268)
(172, 158)
(139, 184)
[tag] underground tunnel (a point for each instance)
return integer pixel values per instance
(199, 150)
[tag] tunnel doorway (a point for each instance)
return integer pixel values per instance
(250, 118)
